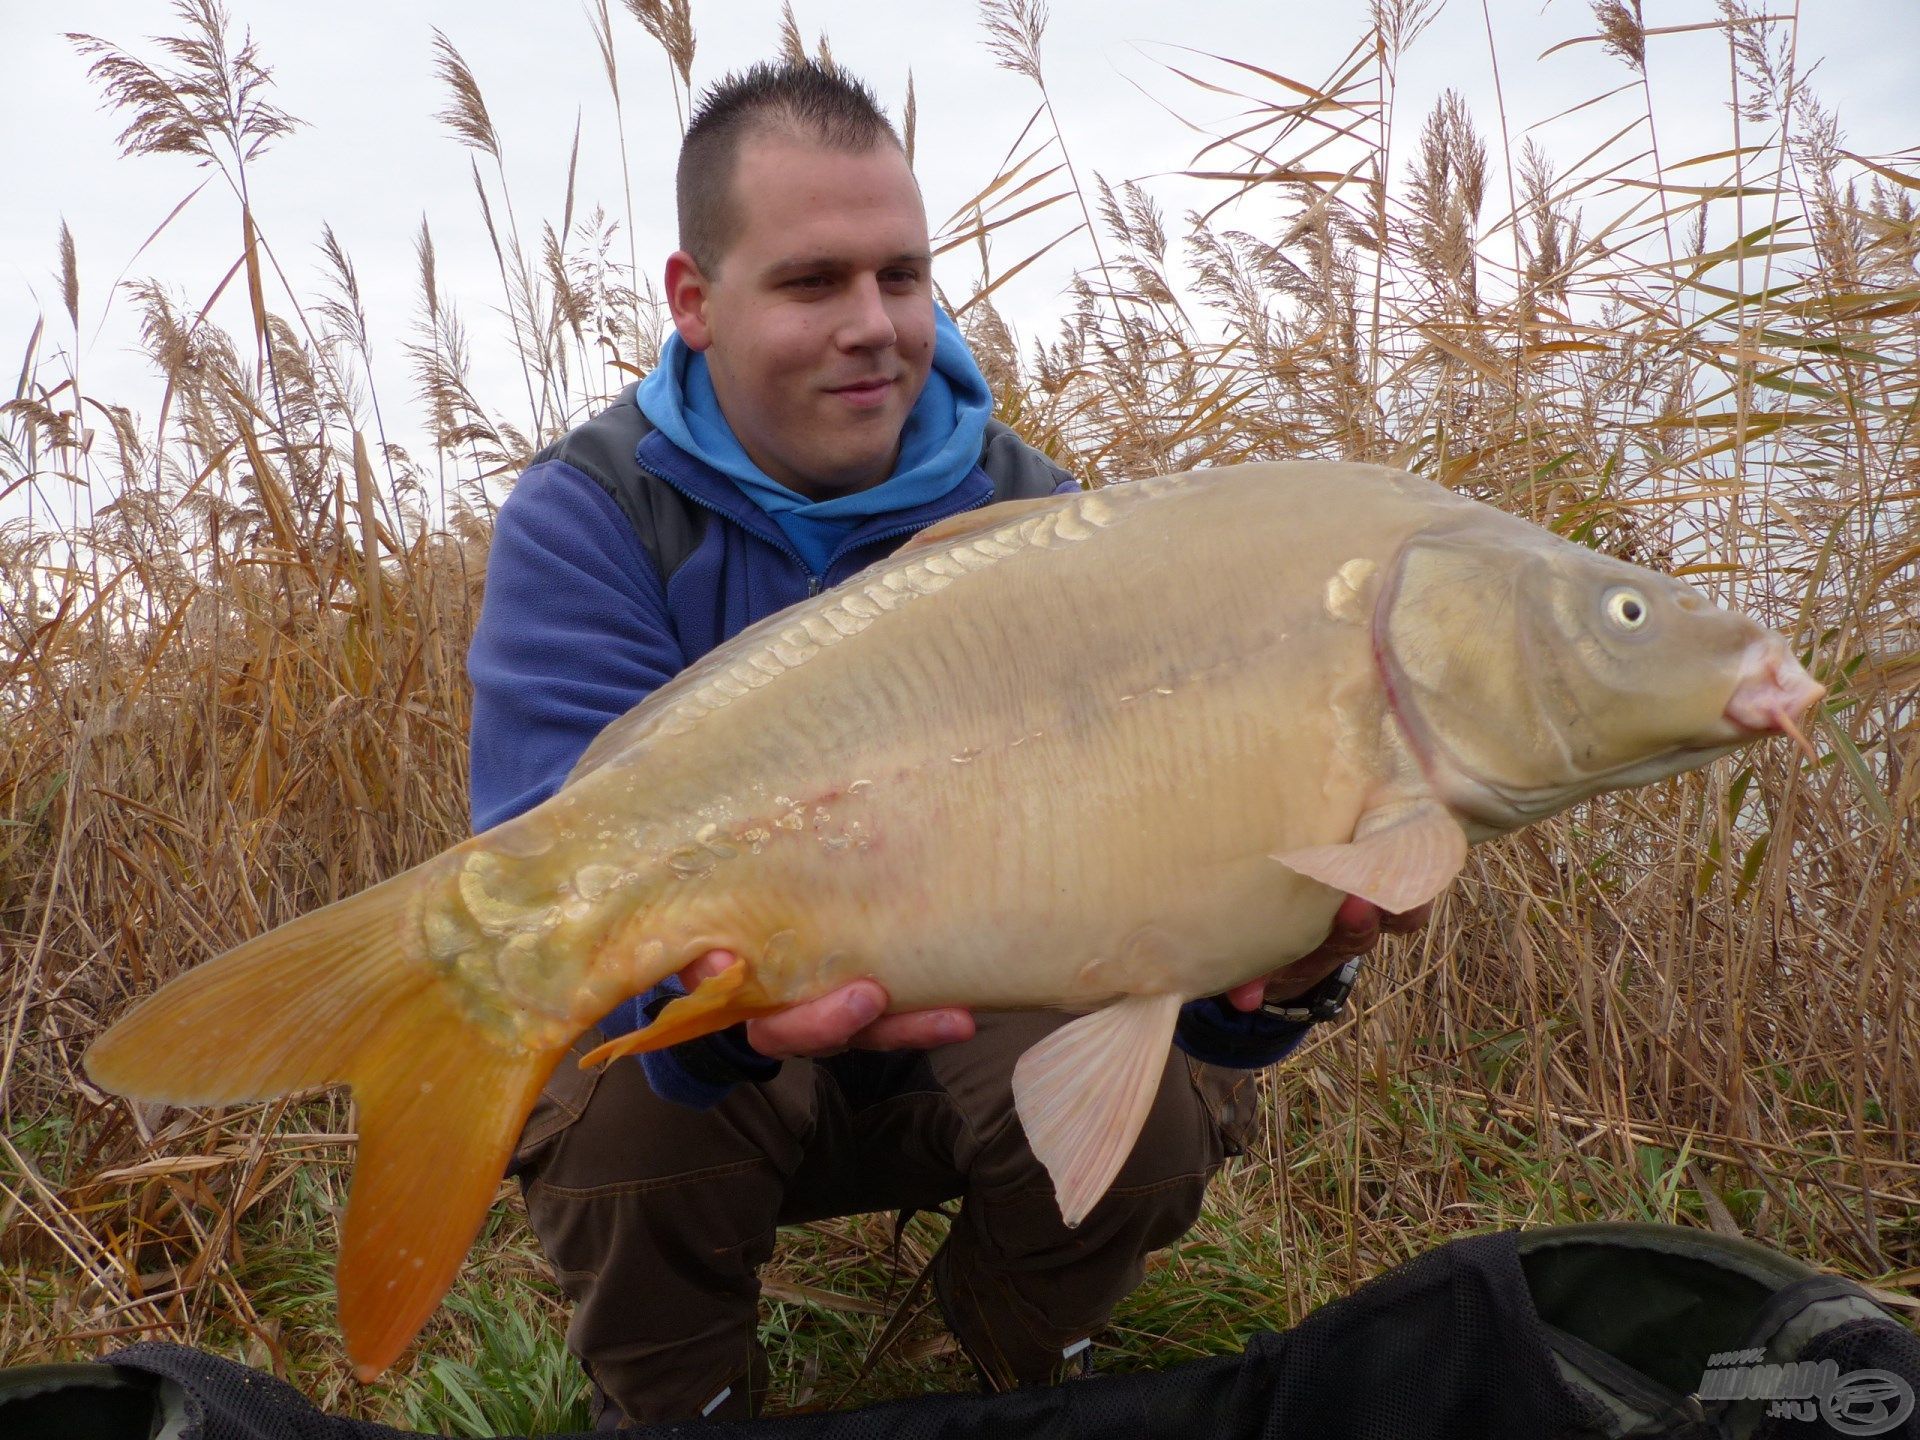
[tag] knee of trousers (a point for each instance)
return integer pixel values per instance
(1016, 1284)
(1153, 1200)
(656, 1217)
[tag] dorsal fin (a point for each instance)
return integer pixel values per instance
(972, 522)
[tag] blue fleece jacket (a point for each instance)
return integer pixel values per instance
(578, 627)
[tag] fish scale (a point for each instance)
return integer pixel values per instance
(1106, 752)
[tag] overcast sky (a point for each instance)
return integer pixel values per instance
(372, 159)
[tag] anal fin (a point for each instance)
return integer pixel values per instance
(715, 1003)
(1400, 857)
(1084, 1092)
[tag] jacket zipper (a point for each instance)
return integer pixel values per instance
(878, 536)
(813, 580)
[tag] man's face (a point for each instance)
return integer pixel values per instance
(818, 325)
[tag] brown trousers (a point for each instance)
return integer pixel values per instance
(657, 1217)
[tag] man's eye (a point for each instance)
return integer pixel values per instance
(808, 282)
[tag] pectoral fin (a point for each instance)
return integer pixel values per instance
(1399, 858)
(1083, 1093)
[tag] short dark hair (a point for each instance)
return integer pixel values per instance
(801, 98)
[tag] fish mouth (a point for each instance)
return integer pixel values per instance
(1772, 694)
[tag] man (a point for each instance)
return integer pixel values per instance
(812, 410)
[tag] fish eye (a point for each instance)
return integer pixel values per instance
(1626, 608)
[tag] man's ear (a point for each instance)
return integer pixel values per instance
(688, 294)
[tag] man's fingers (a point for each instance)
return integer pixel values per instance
(853, 1015)
(821, 1026)
(1356, 925)
(1410, 921)
(1248, 997)
(1293, 981)
(705, 967)
(916, 1030)
(850, 1018)
(843, 1020)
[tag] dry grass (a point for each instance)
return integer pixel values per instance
(237, 691)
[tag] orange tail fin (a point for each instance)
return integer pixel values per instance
(342, 996)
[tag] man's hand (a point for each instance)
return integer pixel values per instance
(847, 1018)
(1357, 928)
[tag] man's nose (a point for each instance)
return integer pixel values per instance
(867, 325)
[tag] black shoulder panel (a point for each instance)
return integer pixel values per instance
(669, 525)
(1018, 471)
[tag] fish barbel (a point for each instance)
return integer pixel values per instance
(1106, 752)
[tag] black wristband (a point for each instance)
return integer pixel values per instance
(1325, 1001)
